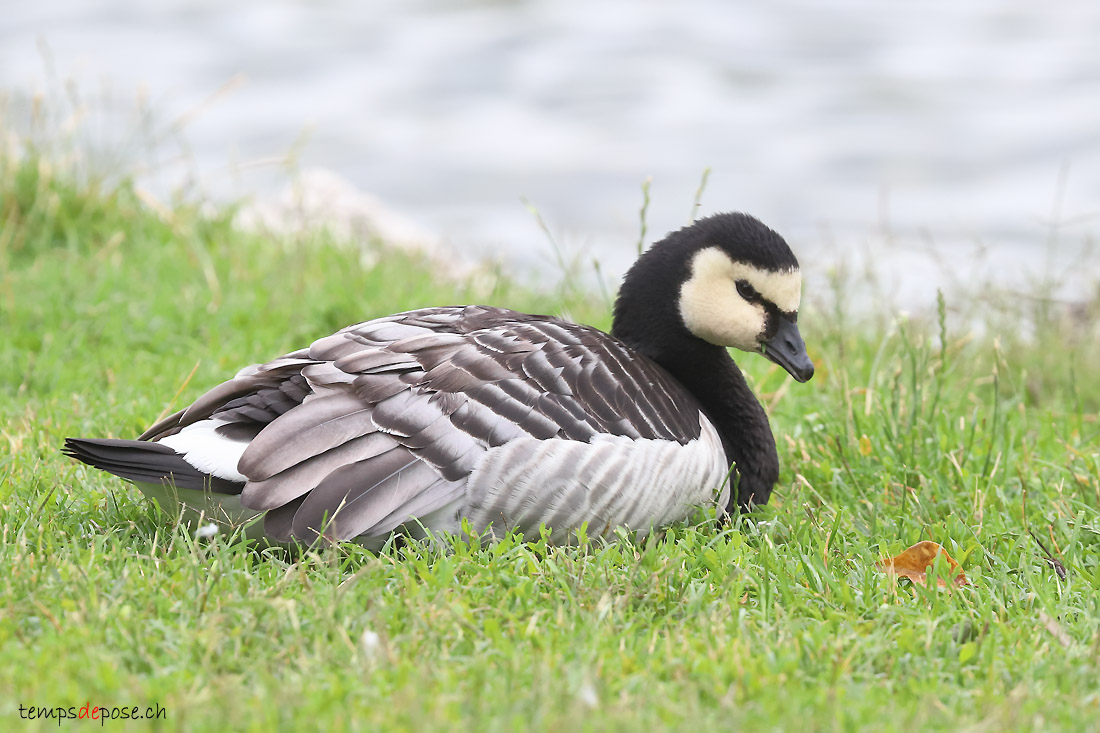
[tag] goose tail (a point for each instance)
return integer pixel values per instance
(145, 463)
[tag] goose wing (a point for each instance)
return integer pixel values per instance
(385, 420)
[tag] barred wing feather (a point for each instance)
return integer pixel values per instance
(505, 418)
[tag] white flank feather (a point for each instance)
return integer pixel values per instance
(208, 451)
(610, 481)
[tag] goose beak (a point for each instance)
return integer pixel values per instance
(787, 349)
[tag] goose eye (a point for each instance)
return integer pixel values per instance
(747, 291)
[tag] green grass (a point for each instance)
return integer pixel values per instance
(911, 430)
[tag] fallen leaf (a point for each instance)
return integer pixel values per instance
(915, 562)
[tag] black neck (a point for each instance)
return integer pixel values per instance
(708, 372)
(726, 399)
(647, 320)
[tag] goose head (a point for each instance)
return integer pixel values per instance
(733, 282)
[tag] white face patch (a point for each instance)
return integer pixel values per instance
(713, 310)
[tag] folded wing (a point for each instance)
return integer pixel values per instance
(383, 422)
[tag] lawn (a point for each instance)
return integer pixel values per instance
(975, 427)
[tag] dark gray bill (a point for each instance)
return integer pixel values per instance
(787, 349)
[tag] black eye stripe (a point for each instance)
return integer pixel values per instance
(752, 295)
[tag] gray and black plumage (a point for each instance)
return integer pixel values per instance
(417, 421)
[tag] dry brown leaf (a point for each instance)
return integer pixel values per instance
(915, 562)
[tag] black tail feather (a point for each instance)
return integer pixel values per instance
(141, 461)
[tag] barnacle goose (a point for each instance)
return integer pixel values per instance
(414, 422)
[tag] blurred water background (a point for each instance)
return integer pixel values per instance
(937, 143)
